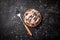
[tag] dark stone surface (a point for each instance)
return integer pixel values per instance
(12, 28)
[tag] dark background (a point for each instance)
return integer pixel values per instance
(12, 28)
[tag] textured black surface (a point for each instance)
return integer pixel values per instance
(12, 28)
